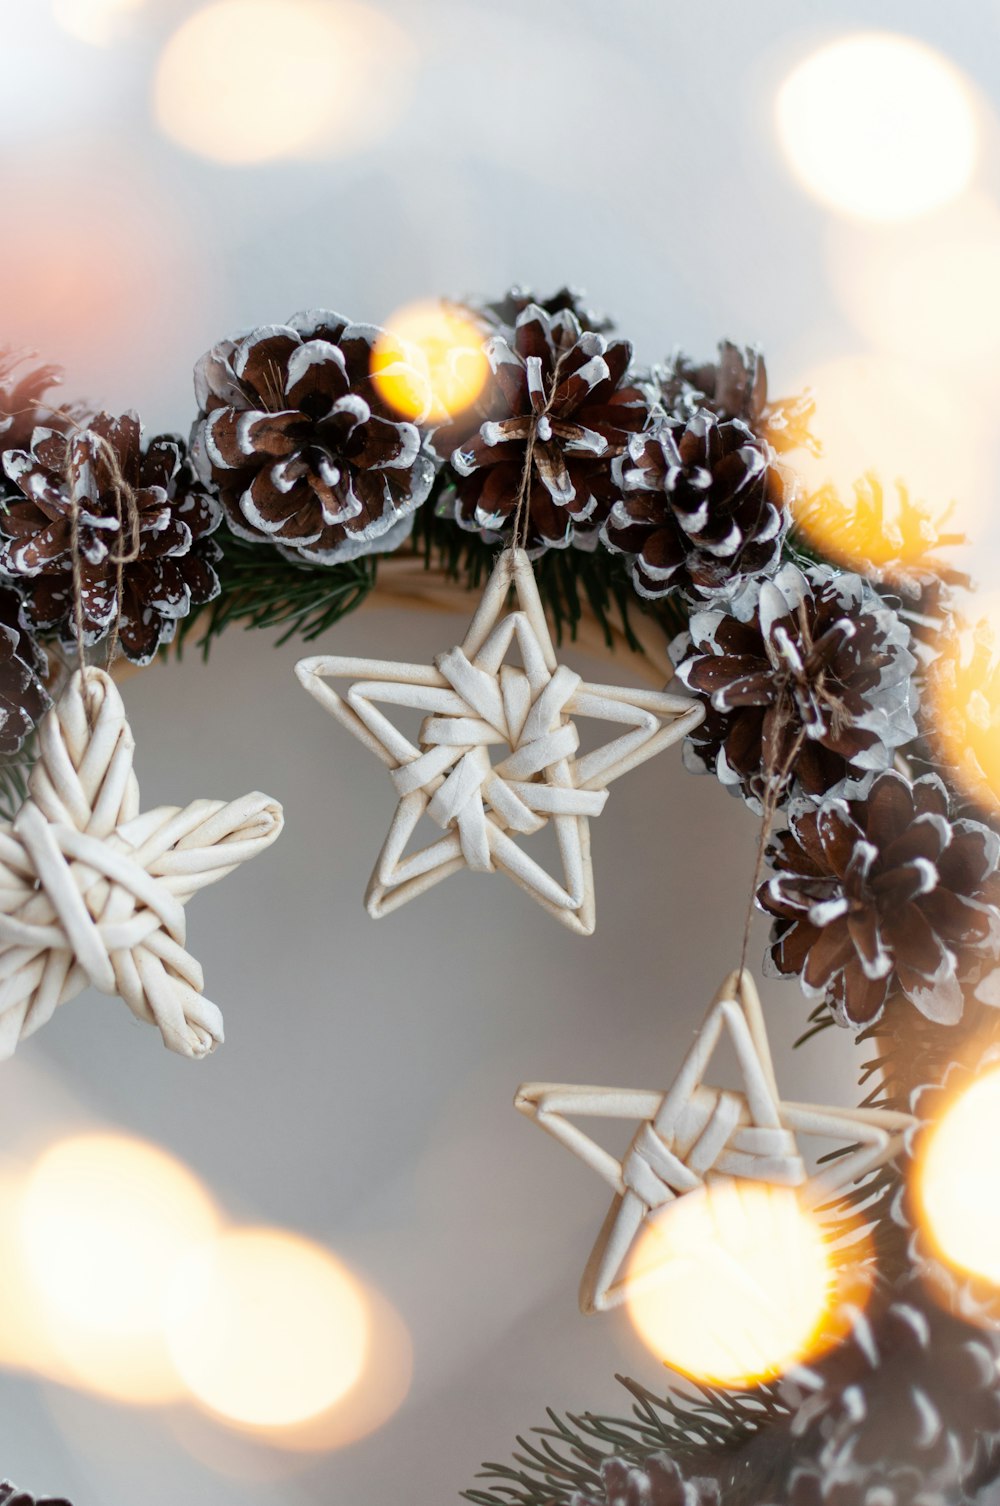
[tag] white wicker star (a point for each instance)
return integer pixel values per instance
(694, 1134)
(475, 702)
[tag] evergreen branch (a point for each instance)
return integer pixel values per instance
(14, 773)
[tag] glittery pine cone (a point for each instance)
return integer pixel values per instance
(23, 667)
(658, 1482)
(558, 410)
(734, 386)
(806, 682)
(881, 894)
(139, 506)
(304, 450)
(703, 509)
(912, 1395)
(11, 1496)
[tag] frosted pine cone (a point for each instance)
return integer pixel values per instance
(879, 894)
(503, 314)
(132, 501)
(23, 666)
(24, 405)
(805, 680)
(560, 405)
(876, 1487)
(911, 1394)
(11, 1496)
(305, 451)
(704, 508)
(658, 1483)
(735, 386)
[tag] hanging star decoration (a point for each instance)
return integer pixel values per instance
(476, 702)
(695, 1135)
(92, 891)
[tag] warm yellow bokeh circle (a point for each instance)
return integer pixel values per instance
(958, 1180)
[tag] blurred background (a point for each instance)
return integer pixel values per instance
(394, 1253)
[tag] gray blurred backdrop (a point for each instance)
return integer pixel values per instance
(363, 1096)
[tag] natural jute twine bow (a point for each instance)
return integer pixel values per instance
(92, 891)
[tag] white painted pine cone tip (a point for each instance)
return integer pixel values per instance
(92, 891)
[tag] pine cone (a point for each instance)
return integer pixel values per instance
(305, 451)
(735, 386)
(806, 680)
(704, 508)
(23, 667)
(11, 1496)
(896, 550)
(881, 893)
(877, 1487)
(503, 314)
(23, 406)
(912, 1395)
(130, 500)
(658, 1483)
(559, 398)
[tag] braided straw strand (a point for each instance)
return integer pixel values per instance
(93, 892)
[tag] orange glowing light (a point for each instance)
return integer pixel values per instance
(104, 1221)
(452, 368)
(245, 81)
(876, 533)
(96, 21)
(878, 126)
(958, 1181)
(733, 1284)
(266, 1329)
(962, 711)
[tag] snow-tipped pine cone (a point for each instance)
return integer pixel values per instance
(659, 1482)
(305, 451)
(734, 386)
(11, 1496)
(142, 506)
(703, 508)
(23, 667)
(502, 314)
(806, 683)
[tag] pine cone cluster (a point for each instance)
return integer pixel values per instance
(138, 509)
(911, 1396)
(806, 683)
(882, 894)
(11, 1496)
(703, 508)
(734, 386)
(23, 667)
(659, 1482)
(305, 451)
(553, 418)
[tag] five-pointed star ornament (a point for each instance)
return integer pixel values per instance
(695, 1134)
(93, 891)
(476, 702)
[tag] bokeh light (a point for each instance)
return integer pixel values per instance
(962, 709)
(96, 21)
(732, 1284)
(453, 368)
(958, 1180)
(878, 126)
(104, 1221)
(245, 81)
(265, 1328)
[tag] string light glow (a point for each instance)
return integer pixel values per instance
(963, 709)
(958, 1180)
(226, 90)
(732, 1284)
(878, 126)
(455, 365)
(266, 1329)
(96, 21)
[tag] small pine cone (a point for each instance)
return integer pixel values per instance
(880, 893)
(305, 451)
(560, 397)
(912, 1394)
(11, 1496)
(658, 1482)
(806, 682)
(504, 312)
(735, 386)
(23, 667)
(704, 508)
(130, 501)
(23, 405)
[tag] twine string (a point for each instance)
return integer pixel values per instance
(522, 512)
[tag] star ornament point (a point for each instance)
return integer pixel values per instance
(498, 753)
(694, 1135)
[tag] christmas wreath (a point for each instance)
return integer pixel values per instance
(660, 503)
